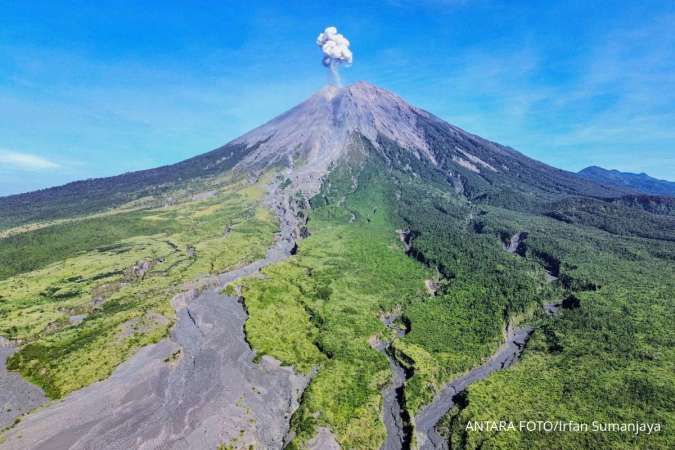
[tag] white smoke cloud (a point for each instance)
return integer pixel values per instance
(335, 48)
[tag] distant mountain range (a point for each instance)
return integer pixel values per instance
(638, 181)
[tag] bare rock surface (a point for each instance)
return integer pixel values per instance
(514, 244)
(213, 393)
(319, 130)
(324, 440)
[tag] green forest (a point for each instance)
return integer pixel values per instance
(610, 359)
(83, 294)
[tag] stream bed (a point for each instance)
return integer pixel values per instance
(507, 354)
(197, 389)
(396, 419)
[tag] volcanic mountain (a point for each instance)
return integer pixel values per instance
(321, 130)
(313, 137)
(349, 274)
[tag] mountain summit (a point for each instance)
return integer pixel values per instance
(314, 136)
(335, 121)
(317, 127)
(319, 130)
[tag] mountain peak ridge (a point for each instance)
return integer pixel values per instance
(318, 130)
(639, 181)
(309, 140)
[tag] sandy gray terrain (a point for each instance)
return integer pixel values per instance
(428, 417)
(195, 390)
(323, 440)
(17, 396)
(322, 128)
(391, 408)
(398, 434)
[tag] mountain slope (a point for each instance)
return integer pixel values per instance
(399, 283)
(638, 181)
(320, 130)
(99, 194)
(313, 136)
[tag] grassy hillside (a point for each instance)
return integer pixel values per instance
(322, 307)
(85, 197)
(84, 295)
(389, 234)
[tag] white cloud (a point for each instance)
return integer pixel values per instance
(25, 161)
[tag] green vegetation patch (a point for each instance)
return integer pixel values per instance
(610, 360)
(480, 289)
(36, 249)
(81, 307)
(322, 307)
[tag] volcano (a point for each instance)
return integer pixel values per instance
(349, 274)
(334, 121)
(313, 137)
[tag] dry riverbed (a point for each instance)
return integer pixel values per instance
(198, 389)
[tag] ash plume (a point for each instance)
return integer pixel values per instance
(335, 48)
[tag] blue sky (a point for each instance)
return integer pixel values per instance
(92, 89)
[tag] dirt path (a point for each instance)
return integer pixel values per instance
(195, 390)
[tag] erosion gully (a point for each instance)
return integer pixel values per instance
(395, 414)
(507, 354)
(197, 389)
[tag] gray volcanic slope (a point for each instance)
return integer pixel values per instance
(208, 394)
(318, 132)
(17, 396)
(314, 135)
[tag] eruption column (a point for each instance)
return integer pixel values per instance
(335, 48)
